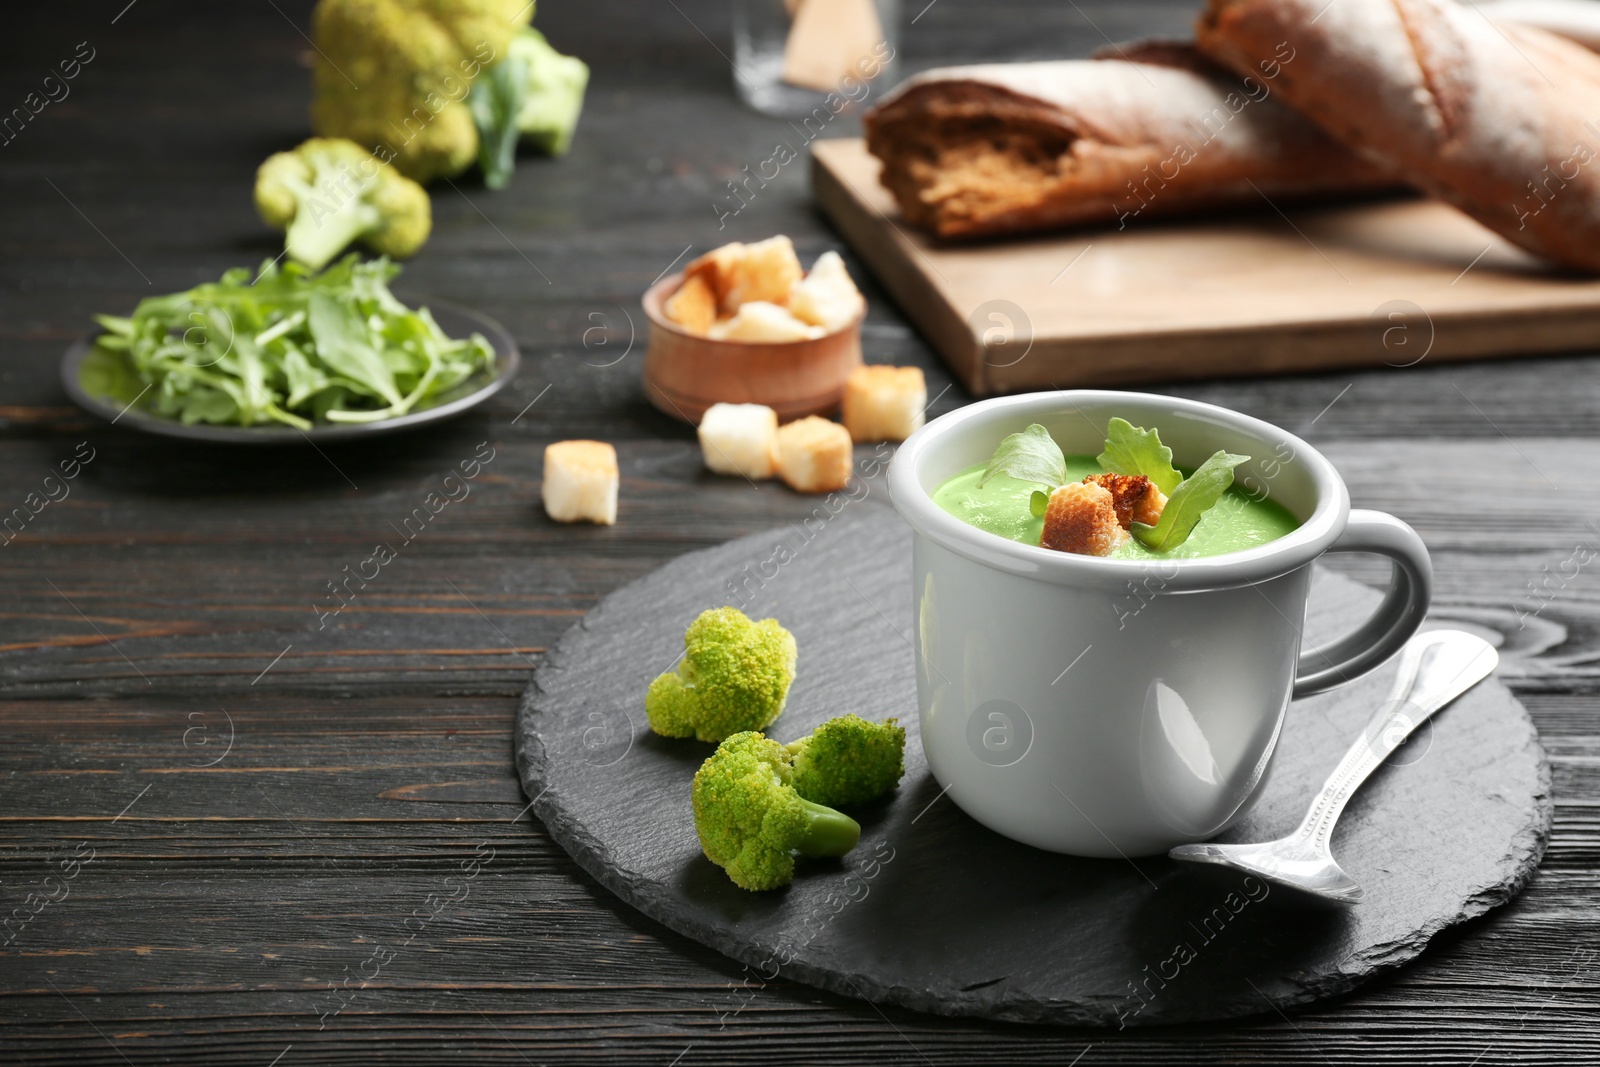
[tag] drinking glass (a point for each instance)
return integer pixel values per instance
(795, 58)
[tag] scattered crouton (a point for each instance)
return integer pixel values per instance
(580, 482)
(1135, 497)
(1082, 518)
(827, 297)
(740, 439)
(814, 455)
(760, 321)
(884, 403)
(693, 306)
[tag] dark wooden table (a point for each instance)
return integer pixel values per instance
(227, 812)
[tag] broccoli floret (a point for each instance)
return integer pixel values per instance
(750, 819)
(535, 93)
(848, 761)
(549, 114)
(394, 75)
(734, 675)
(330, 192)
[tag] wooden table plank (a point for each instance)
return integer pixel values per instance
(373, 758)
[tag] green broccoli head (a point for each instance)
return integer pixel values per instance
(848, 761)
(330, 192)
(734, 675)
(394, 75)
(535, 93)
(750, 819)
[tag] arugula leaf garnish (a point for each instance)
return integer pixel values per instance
(1189, 501)
(1029, 456)
(1034, 456)
(1132, 449)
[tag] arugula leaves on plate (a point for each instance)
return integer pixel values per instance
(285, 345)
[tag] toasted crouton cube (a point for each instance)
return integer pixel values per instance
(740, 439)
(766, 272)
(580, 482)
(1147, 511)
(717, 269)
(693, 306)
(1082, 518)
(884, 403)
(761, 321)
(827, 297)
(1135, 497)
(814, 455)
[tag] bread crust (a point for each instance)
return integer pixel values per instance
(1134, 496)
(1015, 147)
(1081, 517)
(1497, 119)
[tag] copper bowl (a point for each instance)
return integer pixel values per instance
(685, 373)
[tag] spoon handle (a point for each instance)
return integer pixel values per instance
(1435, 668)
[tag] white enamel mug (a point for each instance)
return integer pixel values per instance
(1104, 707)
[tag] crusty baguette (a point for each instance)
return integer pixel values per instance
(1577, 19)
(1495, 119)
(1005, 148)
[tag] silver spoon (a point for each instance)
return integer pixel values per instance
(1435, 668)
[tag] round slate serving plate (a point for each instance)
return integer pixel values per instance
(934, 912)
(100, 382)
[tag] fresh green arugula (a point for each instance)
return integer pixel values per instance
(1188, 503)
(1034, 456)
(1029, 456)
(289, 346)
(1132, 449)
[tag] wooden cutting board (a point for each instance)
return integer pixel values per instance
(1255, 292)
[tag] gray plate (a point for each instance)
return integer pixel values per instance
(107, 389)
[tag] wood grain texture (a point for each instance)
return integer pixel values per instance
(1253, 292)
(210, 923)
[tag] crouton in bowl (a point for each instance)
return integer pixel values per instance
(743, 324)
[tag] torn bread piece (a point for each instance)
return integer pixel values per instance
(693, 306)
(759, 320)
(1023, 147)
(884, 403)
(1082, 518)
(580, 482)
(740, 439)
(814, 455)
(1134, 496)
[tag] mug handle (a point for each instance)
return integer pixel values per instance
(1398, 616)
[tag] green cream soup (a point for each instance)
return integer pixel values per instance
(1237, 522)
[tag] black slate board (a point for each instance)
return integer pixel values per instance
(934, 912)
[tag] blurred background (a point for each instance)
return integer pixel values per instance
(661, 134)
